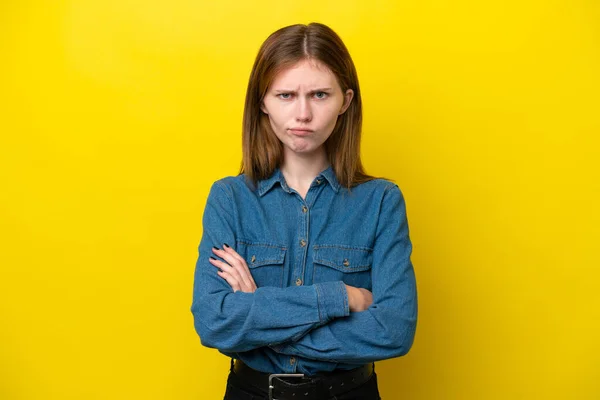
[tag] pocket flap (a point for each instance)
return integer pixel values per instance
(343, 258)
(259, 254)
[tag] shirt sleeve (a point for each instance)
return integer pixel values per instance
(237, 322)
(387, 328)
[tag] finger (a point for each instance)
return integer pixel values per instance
(233, 273)
(231, 267)
(223, 266)
(224, 255)
(245, 271)
(234, 253)
(239, 264)
(230, 280)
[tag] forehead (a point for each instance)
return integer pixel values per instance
(305, 74)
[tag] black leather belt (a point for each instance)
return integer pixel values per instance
(299, 386)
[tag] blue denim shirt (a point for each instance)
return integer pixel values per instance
(301, 252)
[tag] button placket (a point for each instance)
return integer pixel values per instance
(303, 243)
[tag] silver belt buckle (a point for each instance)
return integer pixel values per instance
(280, 376)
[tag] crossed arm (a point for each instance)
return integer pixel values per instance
(237, 274)
(332, 321)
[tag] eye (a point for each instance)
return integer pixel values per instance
(321, 95)
(285, 96)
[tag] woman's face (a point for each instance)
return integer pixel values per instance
(303, 104)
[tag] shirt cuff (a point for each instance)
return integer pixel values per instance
(333, 300)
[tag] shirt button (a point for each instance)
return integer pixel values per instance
(292, 360)
(318, 181)
(304, 209)
(298, 282)
(302, 243)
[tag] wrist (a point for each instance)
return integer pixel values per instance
(351, 297)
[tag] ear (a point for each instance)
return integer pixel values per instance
(348, 96)
(263, 108)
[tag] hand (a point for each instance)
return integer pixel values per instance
(359, 299)
(234, 270)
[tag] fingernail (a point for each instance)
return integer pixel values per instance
(225, 244)
(212, 258)
(216, 248)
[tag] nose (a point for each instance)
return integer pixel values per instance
(304, 112)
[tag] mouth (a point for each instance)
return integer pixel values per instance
(301, 131)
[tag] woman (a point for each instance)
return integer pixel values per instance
(304, 264)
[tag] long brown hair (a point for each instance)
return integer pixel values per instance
(262, 150)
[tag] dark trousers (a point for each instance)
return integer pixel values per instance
(237, 389)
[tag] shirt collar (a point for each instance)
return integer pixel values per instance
(266, 184)
(329, 175)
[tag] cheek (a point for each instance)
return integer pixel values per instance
(329, 117)
(276, 122)
(278, 116)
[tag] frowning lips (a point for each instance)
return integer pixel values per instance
(301, 131)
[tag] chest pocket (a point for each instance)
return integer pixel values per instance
(265, 262)
(352, 265)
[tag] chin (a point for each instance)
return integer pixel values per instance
(305, 150)
(300, 146)
(303, 146)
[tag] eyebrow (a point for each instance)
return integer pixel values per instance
(293, 91)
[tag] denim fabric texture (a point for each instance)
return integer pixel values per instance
(301, 252)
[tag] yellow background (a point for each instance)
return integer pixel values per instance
(116, 116)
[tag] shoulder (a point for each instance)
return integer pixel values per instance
(231, 185)
(380, 186)
(383, 194)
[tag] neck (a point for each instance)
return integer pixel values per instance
(299, 170)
